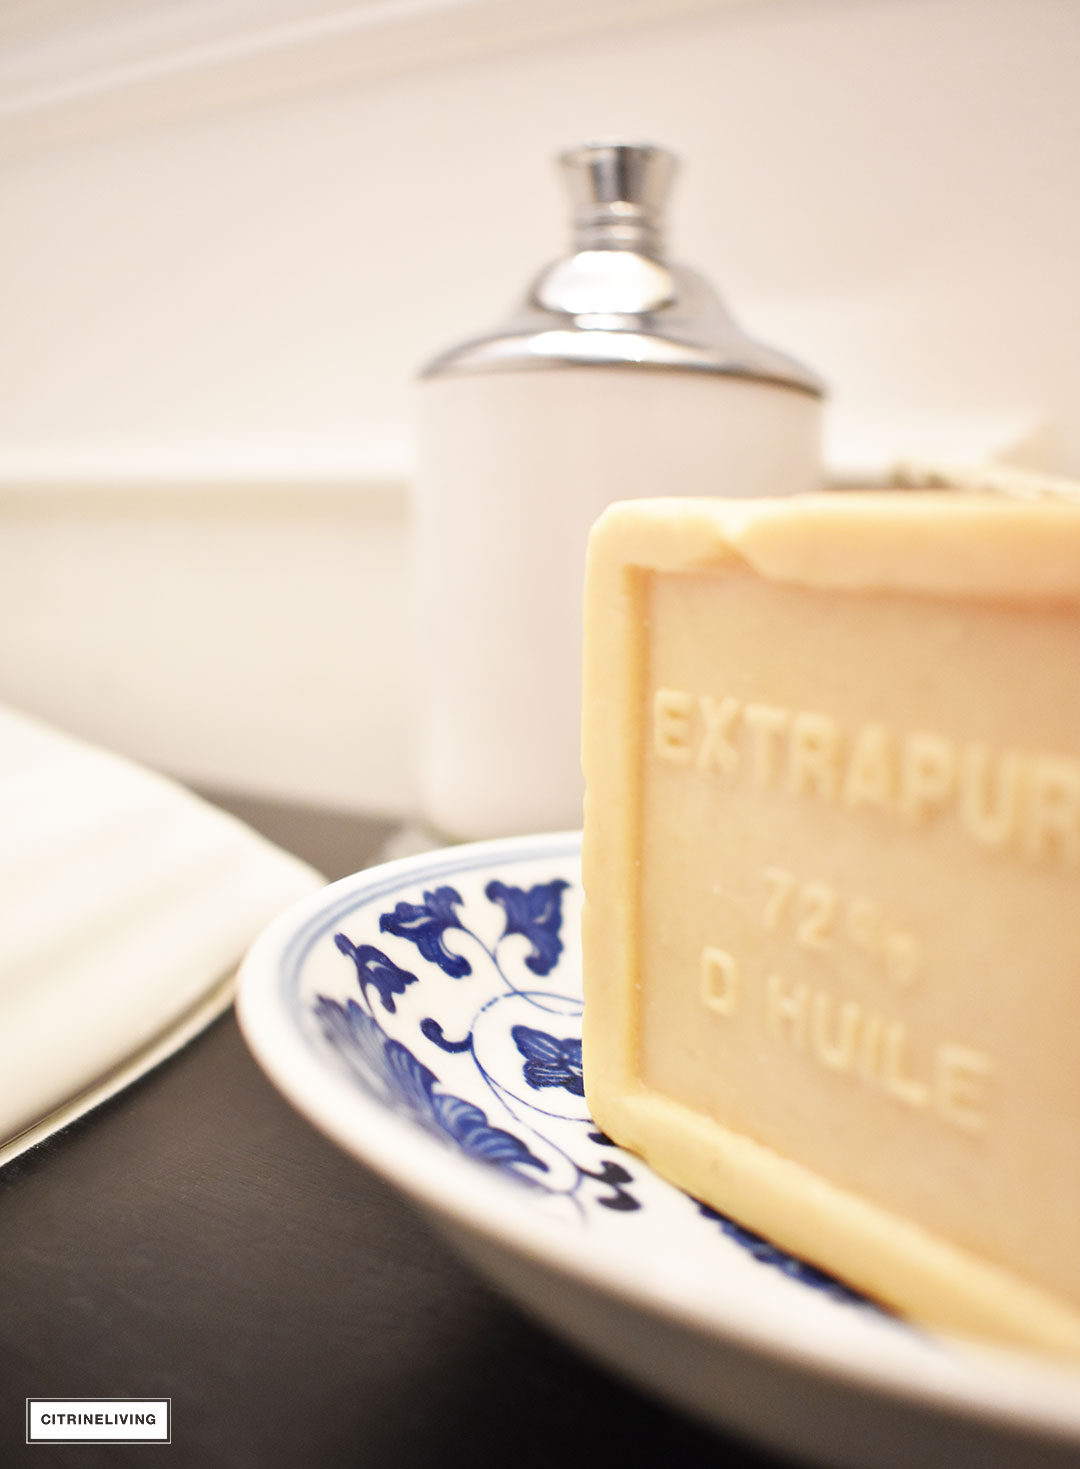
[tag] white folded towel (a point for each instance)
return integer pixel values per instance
(125, 904)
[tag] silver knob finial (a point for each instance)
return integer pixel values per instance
(615, 298)
(618, 191)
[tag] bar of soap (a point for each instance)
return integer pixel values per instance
(832, 872)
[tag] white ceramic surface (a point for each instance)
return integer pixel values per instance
(499, 570)
(426, 1016)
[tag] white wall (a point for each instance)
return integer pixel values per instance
(885, 187)
(240, 637)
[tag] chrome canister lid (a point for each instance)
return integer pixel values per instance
(615, 299)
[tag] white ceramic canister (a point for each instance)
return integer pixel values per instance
(621, 376)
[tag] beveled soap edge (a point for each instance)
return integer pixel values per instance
(886, 1256)
(896, 1262)
(796, 541)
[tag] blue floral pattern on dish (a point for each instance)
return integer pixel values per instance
(425, 924)
(769, 1254)
(373, 967)
(386, 1066)
(509, 1030)
(535, 912)
(550, 1062)
(394, 1072)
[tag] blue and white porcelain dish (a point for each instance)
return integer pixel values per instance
(426, 1015)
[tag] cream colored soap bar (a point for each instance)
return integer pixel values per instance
(832, 871)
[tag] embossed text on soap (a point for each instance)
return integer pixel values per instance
(863, 1037)
(1026, 803)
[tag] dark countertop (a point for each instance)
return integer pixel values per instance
(195, 1238)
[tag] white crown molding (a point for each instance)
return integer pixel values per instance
(72, 68)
